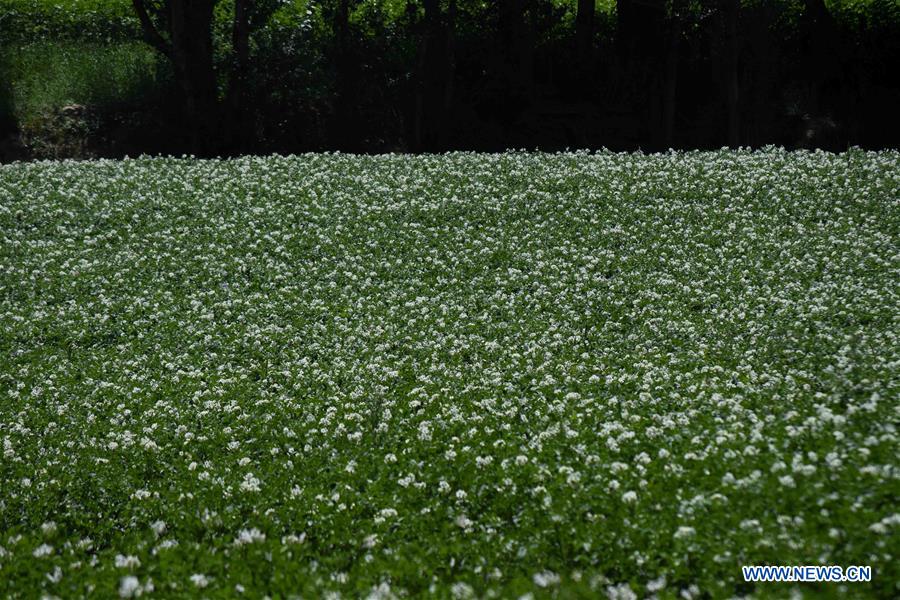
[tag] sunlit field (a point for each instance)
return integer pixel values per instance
(565, 375)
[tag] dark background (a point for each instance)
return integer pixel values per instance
(84, 78)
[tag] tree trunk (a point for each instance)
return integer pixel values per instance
(584, 33)
(239, 120)
(189, 48)
(432, 76)
(192, 54)
(435, 67)
(344, 66)
(181, 30)
(822, 52)
(671, 81)
(639, 23)
(641, 64)
(733, 81)
(516, 69)
(449, 72)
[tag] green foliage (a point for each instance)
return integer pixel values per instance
(25, 21)
(47, 75)
(98, 82)
(114, 19)
(866, 14)
(296, 46)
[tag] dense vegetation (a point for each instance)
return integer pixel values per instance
(582, 375)
(443, 74)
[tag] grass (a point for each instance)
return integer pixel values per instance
(45, 76)
(464, 375)
(116, 88)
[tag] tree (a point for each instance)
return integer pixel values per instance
(639, 23)
(181, 30)
(435, 70)
(517, 45)
(678, 12)
(344, 75)
(584, 31)
(821, 49)
(732, 11)
(646, 40)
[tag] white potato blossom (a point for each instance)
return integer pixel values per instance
(462, 591)
(463, 522)
(129, 587)
(127, 562)
(250, 483)
(249, 536)
(546, 579)
(621, 591)
(159, 527)
(656, 585)
(385, 514)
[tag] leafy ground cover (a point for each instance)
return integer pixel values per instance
(464, 375)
